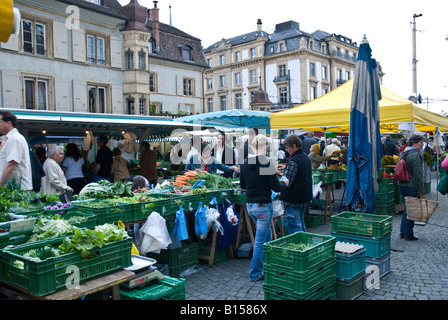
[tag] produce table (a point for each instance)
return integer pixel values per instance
(105, 283)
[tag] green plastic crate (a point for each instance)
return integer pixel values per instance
(50, 273)
(313, 220)
(239, 197)
(385, 208)
(178, 259)
(349, 265)
(299, 282)
(329, 177)
(385, 196)
(324, 291)
(342, 174)
(168, 288)
(277, 254)
(350, 289)
(90, 222)
(204, 248)
(385, 184)
(108, 212)
(362, 223)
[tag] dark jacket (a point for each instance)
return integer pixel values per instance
(390, 147)
(414, 163)
(258, 176)
(300, 190)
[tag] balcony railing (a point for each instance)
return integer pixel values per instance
(345, 56)
(281, 78)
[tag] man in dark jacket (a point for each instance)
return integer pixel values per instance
(390, 146)
(300, 189)
(104, 160)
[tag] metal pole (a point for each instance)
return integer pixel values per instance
(414, 55)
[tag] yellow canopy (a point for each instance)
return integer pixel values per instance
(331, 112)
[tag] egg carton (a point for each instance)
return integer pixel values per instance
(346, 247)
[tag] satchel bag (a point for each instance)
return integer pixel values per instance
(401, 172)
(419, 208)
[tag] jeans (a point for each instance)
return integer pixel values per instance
(295, 218)
(407, 226)
(261, 214)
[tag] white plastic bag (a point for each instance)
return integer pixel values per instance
(317, 189)
(212, 216)
(277, 209)
(154, 234)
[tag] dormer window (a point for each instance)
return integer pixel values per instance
(151, 46)
(186, 52)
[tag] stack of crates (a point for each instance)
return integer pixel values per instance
(300, 266)
(178, 259)
(385, 197)
(350, 270)
(372, 231)
(168, 288)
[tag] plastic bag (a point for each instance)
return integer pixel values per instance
(226, 238)
(200, 222)
(154, 234)
(277, 209)
(317, 189)
(180, 226)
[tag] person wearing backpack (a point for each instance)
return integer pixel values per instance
(415, 186)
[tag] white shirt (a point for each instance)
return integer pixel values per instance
(73, 168)
(15, 148)
(54, 180)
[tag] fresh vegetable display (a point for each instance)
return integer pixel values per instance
(104, 189)
(297, 246)
(46, 228)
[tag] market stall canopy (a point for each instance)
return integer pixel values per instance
(235, 118)
(76, 124)
(331, 112)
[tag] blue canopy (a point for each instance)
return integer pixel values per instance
(365, 147)
(235, 118)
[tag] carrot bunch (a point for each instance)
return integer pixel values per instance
(188, 178)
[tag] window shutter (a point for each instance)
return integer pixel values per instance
(117, 99)
(62, 94)
(79, 96)
(79, 45)
(60, 40)
(179, 86)
(115, 53)
(11, 89)
(12, 44)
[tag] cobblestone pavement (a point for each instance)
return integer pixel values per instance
(418, 268)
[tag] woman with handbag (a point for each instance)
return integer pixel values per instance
(415, 186)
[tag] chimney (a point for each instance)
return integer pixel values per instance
(154, 17)
(259, 24)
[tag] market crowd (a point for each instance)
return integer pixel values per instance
(58, 170)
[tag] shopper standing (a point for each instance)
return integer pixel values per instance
(415, 186)
(258, 177)
(300, 190)
(72, 167)
(148, 163)
(54, 180)
(104, 160)
(14, 153)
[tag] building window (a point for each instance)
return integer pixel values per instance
(98, 2)
(210, 104)
(238, 101)
(209, 84)
(142, 60)
(313, 93)
(129, 59)
(187, 53)
(130, 105)
(222, 81)
(222, 60)
(209, 62)
(253, 75)
(283, 95)
(324, 91)
(97, 99)
(282, 47)
(223, 100)
(238, 79)
(96, 50)
(142, 106)
(324, 72)
(311, 44)
(312, 70)
(34, 37)
(151, 46)
(188, 87)
(152, 82)
(347, 75)
(253, 53)
(237, 56)
(36, 94)
(282, 71)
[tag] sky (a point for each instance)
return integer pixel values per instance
(387, 25)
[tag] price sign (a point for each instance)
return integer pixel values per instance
(22, 225)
